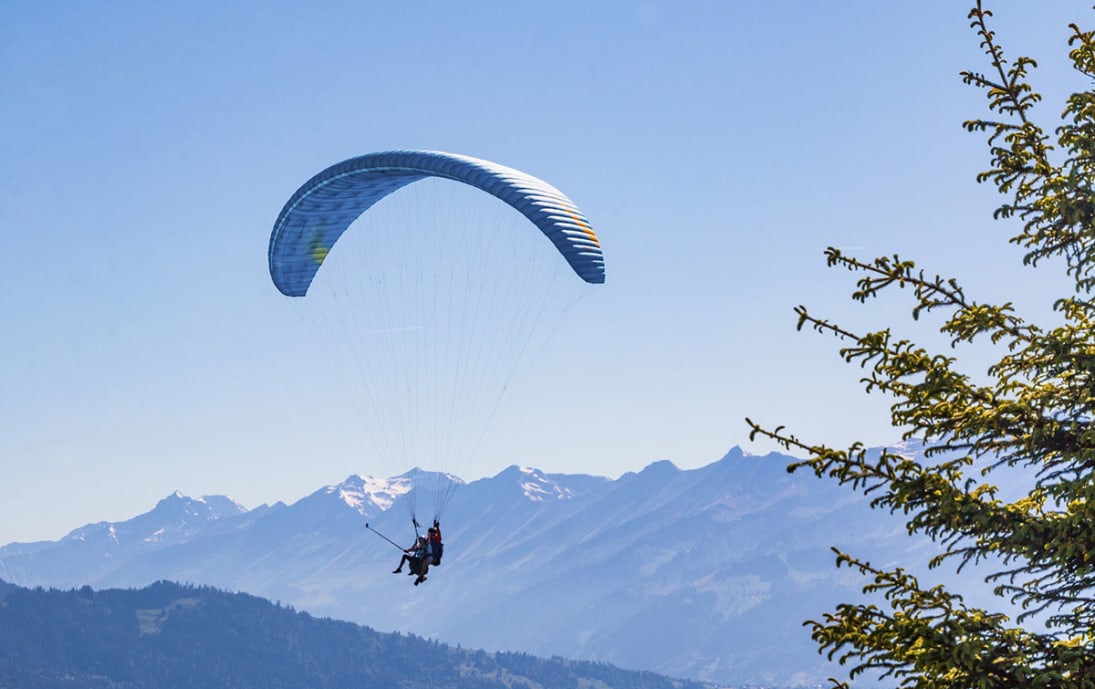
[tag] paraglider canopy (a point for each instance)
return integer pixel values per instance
(321, 210)
(429, 307)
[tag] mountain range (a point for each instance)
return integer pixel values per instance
(704, 574)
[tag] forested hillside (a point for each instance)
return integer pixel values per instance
(173, 636)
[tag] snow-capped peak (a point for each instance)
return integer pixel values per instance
(222, 505)
(359, 491)
(537, 487)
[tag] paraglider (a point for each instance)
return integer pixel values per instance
(425, 552)
(320, 211)
(435, 313)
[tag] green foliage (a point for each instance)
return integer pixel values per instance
(1035, 411)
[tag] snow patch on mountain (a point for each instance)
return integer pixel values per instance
(539, 488)
(222, 506)
(359, 492)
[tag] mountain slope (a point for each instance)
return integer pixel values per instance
(706, 573)
(172, 636)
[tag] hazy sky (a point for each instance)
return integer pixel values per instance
(717, 147)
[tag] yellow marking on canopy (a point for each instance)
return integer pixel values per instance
(317, 248)
(585, 228)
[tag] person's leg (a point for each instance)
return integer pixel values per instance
(399, 569)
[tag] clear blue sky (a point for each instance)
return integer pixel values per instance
(718, 147)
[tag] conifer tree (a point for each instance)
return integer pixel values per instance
(1034, 409)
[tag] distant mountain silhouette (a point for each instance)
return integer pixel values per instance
(168, 636)
(705, 573)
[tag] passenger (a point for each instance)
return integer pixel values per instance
(414, 555)
(432, 555)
